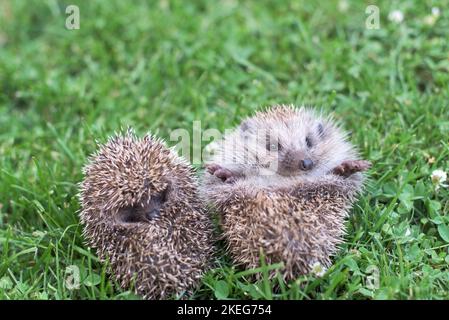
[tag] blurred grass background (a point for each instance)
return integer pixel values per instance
(160, 65)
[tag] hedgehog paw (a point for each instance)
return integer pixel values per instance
(211, 168)
(224, 174)
(349, 167)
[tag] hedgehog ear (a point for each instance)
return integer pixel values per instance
(320, 130)
(244, 126)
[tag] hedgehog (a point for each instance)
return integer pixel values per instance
(283, 183)
(141, 211)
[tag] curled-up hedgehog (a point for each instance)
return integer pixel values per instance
(141, 211)
(283, 182)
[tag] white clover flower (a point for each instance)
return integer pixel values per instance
(438, 178)
(436, 11)
(407, 232)
(343, 5)
(39, 234)
(356, 252)
(318, 269)
(396, 16)
(432, 18)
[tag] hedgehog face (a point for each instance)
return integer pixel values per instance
(293, 142)
(140, 200)
(145, 211)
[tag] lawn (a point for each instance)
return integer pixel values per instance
(160, 65)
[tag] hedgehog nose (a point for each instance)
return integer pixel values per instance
(306, 164)
(152, 214)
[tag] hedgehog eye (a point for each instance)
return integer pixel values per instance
(244, 126)
(279, 147)
(309, 142)
(153, 208)
(274, 146)
(320, 130)
(270, 146)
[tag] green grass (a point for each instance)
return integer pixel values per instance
(160, 66)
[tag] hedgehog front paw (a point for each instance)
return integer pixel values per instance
(224, 174)
(349, 167)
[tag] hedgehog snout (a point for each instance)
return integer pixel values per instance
(154, 206)
(154, 213)
(292, 161)
(128, 215)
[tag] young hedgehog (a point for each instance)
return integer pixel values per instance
(141, 210)
(283, 182)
